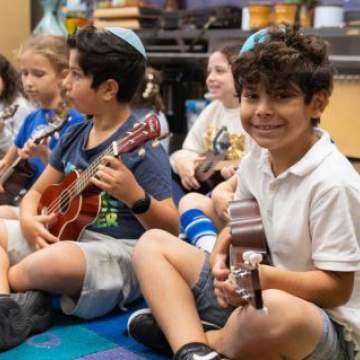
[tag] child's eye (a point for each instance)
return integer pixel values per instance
(249, 95)
(75, 75)
(38, 73)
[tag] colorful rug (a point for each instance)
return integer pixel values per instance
(71, 338)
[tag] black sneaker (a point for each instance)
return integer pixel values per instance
(23, 314)
(143, 328)
(197, 351)
(37, 307)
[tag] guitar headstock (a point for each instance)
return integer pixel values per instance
(244, 267)
(9, 112)
(141, 133)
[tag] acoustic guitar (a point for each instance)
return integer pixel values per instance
(75, 201)
(247, 250)
(15, 178)
(208, 171)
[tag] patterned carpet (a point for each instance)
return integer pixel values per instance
(71, 338)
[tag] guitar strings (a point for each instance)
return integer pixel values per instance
(80, 183)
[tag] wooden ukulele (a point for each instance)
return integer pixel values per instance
(247, 250)
(208, 171)
(15, 178)
(75, 201)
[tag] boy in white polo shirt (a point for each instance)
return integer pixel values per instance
(309, 199)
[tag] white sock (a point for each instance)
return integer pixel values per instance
(206, 243)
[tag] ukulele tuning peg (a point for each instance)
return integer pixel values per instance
(252, 258)
(141, 152)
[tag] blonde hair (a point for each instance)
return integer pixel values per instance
(52, 47)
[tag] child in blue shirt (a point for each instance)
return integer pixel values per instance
(43, 64)
(94, 274)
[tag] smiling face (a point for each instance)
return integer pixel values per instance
(41, 80)
(220, 81)
(280, 121)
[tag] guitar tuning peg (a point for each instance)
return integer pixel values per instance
(141, 152)
(56, 135)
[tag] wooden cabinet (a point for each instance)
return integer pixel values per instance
(14, 25)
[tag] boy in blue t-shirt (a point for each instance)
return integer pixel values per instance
(93, 274)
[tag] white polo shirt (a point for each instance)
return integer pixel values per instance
(311, 215)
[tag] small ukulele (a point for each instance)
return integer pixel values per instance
(247, 250)
(14, 179)
(208, 171)
(8, 113)
(75, 201)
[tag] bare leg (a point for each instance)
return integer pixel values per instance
(8, 212)
(4, 260)
(203, 203)
(291, 330)
(175, 267)
(59, 268)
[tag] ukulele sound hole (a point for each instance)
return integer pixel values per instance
(64, 201)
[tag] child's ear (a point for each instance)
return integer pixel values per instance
(318, 104)
(110, 89)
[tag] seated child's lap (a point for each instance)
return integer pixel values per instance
(332, 345)
(109, 280)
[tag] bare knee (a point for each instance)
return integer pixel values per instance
(149, 242)
(282, 329)
(194, 200)
(3, 235)
(8, 212)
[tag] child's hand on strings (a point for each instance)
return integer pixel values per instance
(32, 149)
(116, 179)
(228, 171)
(35, 230)
(186, 171)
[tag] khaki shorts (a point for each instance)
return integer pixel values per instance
(110, 280)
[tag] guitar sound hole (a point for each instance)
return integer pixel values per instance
(64, 201)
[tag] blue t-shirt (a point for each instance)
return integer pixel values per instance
(152, 172)
(33, 124)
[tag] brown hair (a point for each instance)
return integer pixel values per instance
(11, 79)
(148, 93)
(52, 47)
(286, 60)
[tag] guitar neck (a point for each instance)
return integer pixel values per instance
(83, 181)
(9, 171)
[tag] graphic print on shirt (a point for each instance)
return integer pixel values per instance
(109, 208)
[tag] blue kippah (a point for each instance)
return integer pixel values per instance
(130, 37)
(252, 40)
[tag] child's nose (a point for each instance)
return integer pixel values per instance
(66, 82)
(264, 107)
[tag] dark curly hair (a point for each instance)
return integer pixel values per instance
(286, 60)
(105, 56)
(11, 79)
